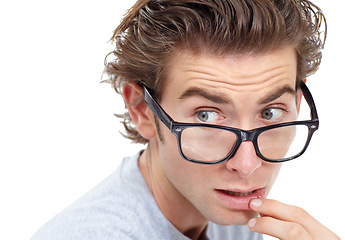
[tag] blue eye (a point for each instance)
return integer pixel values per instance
(272, 114)
(207, 116)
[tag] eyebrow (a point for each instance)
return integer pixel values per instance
(203, 93)
(223, 100)
(277, 94)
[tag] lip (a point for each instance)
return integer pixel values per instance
(237, 201)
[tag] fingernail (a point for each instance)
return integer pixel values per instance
(252, 222)
(256, 202)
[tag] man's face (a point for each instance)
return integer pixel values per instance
(237, 91)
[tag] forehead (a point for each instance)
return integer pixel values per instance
(235, 75)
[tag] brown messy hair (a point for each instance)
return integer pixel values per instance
(152, 30)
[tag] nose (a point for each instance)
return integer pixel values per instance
(245, 161)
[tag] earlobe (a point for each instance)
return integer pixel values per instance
(141, 116)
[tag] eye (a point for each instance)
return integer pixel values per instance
(208, 116)
(272, 114)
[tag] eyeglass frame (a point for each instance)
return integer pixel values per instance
(242, 135)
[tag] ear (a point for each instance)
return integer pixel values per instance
(141, 115)
(299, 97)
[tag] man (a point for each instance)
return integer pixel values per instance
(214, 88)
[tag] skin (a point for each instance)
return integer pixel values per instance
(185, 191)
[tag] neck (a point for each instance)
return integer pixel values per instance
(176, 208)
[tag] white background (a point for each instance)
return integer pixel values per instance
(58, 134)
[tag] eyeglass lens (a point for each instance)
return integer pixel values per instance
(205, 144)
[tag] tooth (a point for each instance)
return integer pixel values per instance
(239, 194)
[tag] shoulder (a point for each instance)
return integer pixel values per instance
(108, 211)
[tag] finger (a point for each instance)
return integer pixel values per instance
(278, 228)
(289, 213)
(285, 212)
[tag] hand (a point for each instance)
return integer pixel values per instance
(287, 222)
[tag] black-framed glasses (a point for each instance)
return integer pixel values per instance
(211, 144)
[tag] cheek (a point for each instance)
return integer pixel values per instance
(173, 164)
(272, 170)
(183, 175)
(168, 151)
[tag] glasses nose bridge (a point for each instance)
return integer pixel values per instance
(247, 136)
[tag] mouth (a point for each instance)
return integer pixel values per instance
(237, 199)
(238, 194)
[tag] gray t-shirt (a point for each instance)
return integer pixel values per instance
(122, 207)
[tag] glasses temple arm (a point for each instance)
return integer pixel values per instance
(156, 108)
(309, 98)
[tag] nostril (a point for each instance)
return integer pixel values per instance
(245, 161)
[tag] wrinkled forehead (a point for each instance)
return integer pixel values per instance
(239, 73)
